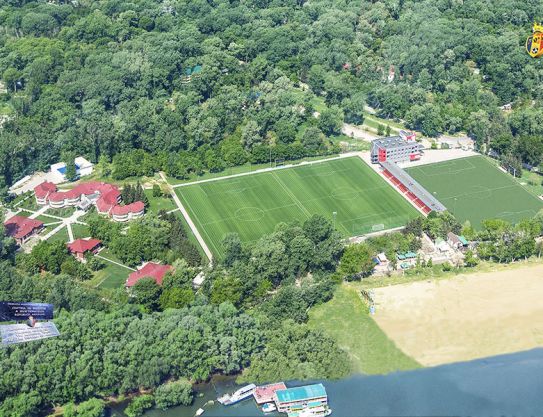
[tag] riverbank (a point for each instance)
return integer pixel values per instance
(502, 385)
(467, 317)
(346, 318)
(436, 317)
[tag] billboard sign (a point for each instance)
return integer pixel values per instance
(13, 334)
(15, 311)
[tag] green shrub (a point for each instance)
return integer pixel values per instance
(174, 393)
(139, 404)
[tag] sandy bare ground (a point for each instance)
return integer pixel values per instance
(466, 317)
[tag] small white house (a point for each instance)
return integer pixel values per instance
(82, 167)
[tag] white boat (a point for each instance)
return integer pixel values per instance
(199, 412)
(240, 395)
(269, 408)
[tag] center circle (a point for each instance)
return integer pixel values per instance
(249, 214)
(345, 193)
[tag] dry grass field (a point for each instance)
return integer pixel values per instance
(466, 317)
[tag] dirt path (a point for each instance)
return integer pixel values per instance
(467, 317)
(358, 133)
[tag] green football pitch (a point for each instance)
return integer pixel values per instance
(474, 189)
(253, 205)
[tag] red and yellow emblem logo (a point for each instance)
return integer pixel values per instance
(534, 43)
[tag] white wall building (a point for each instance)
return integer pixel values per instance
(83, 167)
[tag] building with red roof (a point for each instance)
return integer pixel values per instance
(106, 197)
(148, 270)
(43, 190)
(80, 247)
(22, 228)
(127, 212)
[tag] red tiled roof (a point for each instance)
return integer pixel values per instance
(129, 208)
(41, 190)
(107, 201)
(20, 227)
(264, 394)
(150, 269)
(83, 245)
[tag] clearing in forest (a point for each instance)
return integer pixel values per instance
(253, 205)
(474, 189)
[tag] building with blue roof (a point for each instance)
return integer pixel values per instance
(293, 399)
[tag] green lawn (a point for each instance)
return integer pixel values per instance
(61, 212)
(111, 276)
(347, 320)
(253, 205)
(159, 203)
(61, 235)
(474, 189)
(29, 203)
(46, 219)
(80, 231)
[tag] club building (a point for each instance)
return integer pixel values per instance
(400, 148)
(388, 152)
(106, 197)
(293, 400)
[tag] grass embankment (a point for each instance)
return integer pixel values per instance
(437, 273)
(242, 169)
(346, 318)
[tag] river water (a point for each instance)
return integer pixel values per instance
(507, 385)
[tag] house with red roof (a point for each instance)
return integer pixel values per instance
(128, 212)
(22, 228)
(80, 247)
(106, 197)
(43, 190)
(148, 270)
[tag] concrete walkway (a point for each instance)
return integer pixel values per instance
(114, 262)
(52, 232)
(70, 232)
(188, 220)
(37, 213)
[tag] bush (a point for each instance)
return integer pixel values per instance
(173, 393)
(94, 263)
(446, 267)
(138, 405)
(157, 192)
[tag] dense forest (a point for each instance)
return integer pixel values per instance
(250, 315)
(187, 86)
